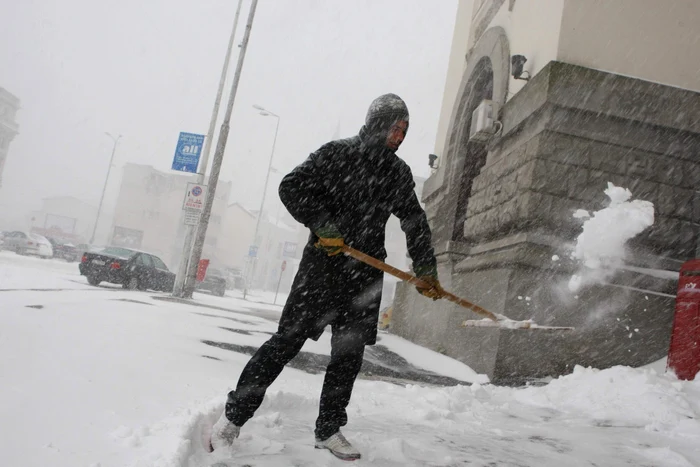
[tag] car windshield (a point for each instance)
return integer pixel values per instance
(37, 238)
(119, 252)
(159, 264)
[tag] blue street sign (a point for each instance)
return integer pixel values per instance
(253, 251)
(189, 147)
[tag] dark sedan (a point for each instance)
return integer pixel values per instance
(214, 282)
(64, 249)
(130, 268)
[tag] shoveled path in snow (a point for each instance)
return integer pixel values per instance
(379, 361)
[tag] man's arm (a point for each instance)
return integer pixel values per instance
(304, 190)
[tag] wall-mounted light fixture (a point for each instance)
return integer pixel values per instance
(432, 161)
(517, 62)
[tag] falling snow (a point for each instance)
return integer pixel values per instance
(600, 248)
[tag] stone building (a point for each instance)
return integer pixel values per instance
(608, 93)
(9, 105)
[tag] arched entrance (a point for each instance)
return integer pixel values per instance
(474, 153)
(447, 192)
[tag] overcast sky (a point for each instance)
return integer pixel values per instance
(148, 69)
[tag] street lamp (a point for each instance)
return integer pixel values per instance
(104, 188)
(265, 113)
(184, 284)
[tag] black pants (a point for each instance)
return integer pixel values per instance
(347, 350)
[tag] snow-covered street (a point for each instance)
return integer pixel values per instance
(107, 377)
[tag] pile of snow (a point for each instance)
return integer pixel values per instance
(623, 396)
(601, 245)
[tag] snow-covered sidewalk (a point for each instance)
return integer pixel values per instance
(614, 417)
(106, 377)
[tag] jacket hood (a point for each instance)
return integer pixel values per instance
(382, 114)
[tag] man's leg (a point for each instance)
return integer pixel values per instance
(260, 372)
(347, 350)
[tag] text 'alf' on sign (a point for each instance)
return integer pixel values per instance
(187, 152)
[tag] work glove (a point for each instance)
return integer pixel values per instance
(330, 240)
(428, 274)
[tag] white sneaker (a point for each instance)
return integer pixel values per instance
(223, 433)
(339, 447)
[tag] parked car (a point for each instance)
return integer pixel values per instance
(234, 279)
(214, 282)
(63, 249)
(82, 248)
(27, 244)
(131, 268)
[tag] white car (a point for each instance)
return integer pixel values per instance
(28, 244)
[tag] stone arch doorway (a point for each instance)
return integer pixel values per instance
(474, 156)
(447, 192)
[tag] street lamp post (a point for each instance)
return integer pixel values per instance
(190, 278)
(104, 188)
(190, 230)
(265, 113)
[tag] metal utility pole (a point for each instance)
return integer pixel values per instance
(218, 160)
(178, 289)
(265, 113)
(104, 188)
(277, 290)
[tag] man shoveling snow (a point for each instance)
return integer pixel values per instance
(344, 193)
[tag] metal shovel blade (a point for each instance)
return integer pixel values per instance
(511, 324)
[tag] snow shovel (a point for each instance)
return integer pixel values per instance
(492, 319)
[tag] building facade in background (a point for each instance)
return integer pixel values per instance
(64, 217)
(586, 92)
(279, 237)
(149, 216)
(9, 128)
(237, 234)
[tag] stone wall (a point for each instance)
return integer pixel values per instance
(568, 133)
(562, 157)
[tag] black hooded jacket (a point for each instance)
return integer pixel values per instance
(356, 184)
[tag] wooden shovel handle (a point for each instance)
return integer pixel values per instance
(404, 276)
